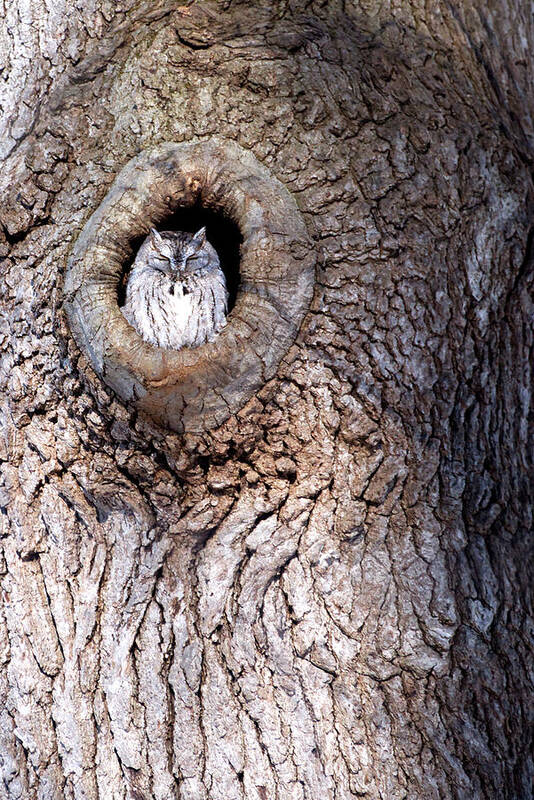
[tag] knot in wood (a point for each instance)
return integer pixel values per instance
(198, 388)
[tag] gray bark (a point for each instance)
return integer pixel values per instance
(328, 595)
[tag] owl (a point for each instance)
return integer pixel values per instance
(176, 292)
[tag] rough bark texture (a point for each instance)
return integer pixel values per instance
(329, 595)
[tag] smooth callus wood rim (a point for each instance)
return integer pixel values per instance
(193, 389)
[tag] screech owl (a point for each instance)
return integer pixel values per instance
(176, 292)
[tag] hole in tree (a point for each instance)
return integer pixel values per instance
(121, 291)
(221, 232)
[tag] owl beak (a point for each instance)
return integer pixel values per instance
(178, 269)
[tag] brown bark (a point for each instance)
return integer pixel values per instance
(329, 595)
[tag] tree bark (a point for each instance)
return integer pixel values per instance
(328, 595)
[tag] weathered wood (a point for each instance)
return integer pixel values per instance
(329, 595)
(200, 387)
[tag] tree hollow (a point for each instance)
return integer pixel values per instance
(194, 388)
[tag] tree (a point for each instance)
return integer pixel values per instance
(328, 595)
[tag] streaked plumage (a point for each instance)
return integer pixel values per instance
(176, 292)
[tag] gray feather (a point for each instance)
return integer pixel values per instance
(176, 292)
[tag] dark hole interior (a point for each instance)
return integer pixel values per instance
(222, 233)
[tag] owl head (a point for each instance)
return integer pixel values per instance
(178, 254)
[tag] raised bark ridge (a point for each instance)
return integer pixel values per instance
(200, 387)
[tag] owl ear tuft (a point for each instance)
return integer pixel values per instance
(155, 238)
(200, 237)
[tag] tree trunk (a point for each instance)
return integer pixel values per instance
(329, 594)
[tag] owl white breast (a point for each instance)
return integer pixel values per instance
(176, 292)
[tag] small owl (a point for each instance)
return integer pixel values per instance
(176, 292)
